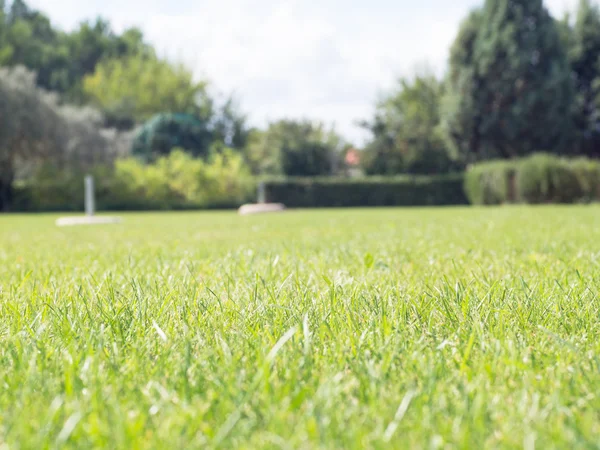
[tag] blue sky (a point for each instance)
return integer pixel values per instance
(322, 59)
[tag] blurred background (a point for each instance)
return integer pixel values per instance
(190, 105)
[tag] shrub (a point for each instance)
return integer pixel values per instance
(540, 178)
(490, 183)
(587, 172)
(544, 178)
(177, 181)
(53, 190)
(368, 191)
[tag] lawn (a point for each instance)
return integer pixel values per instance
(397, 328)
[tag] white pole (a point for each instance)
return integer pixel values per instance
(261, 193)
(89, 196)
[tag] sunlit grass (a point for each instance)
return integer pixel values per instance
(408, 328)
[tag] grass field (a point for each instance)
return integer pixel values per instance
(407, 328)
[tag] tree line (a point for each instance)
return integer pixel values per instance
(518, 82)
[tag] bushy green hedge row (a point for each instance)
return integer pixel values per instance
(368, 191)
(133, 186)
(174, 182)
(540, 178)
(182, 182)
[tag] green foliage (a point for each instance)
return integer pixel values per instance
(120, 73)
(369, 191)
(460, 115)
(406, 137)
(5, 48)
(164, 132)
(176, 181)
(509, 87)
(90, 44)
(50, 191)
(587, 172)
(584, 54)
(539, 178)
(490, 183)
(36, 131)
(31, 41)
(179, 181)
(262, 153)
(30, 127)
(546, 179)
(294, 148)
(228, 125)
(380, 155)
(143, 86)
(60, 59)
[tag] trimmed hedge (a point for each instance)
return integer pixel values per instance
(368, 191)
(540, 178)
(111, 194)
(179, 182)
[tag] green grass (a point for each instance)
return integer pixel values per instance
(448, 328)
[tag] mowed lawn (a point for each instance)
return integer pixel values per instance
(398, 328)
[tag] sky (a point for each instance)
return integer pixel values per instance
(319, 59)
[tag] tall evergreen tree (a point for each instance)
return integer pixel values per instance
(584, 54)
(18, 11)
(509, 87)
(5, 48)
(460, 118)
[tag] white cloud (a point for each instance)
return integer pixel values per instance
(326, 60)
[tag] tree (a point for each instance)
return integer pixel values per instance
(228, 125)
(460, 118)
(509, 89)
(94, 42)
(30, 126)
(405, 130)
(87, 143)
(262, 153)
(5, 48)
(19, 11)
(132, 42)
(141, 86)
(165, 132)
(584, 55)
(61, 60)
(381, 155)
(294, 148)
(37, 132)
(35, 44)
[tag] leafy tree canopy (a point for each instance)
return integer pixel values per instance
(509, 89)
